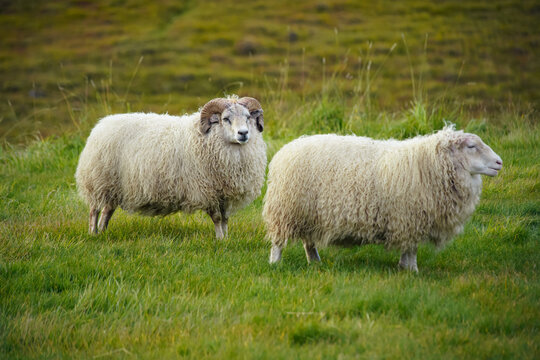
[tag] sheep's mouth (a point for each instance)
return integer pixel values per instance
(493, 171)
(242, 139)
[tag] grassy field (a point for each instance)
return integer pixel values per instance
(174, 55)
(164, 287)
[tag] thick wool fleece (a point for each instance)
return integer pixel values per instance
(344, 190)
(159, 164)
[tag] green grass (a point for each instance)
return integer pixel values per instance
(164, 287)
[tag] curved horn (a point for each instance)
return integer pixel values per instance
(250, 103)
(215, 106)
(255, 109)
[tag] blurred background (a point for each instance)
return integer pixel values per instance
(64, 64)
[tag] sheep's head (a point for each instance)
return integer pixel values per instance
(475, 156)
(236, 118)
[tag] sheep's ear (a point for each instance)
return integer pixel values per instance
(259, 119)
(466, 141)
(207, 122)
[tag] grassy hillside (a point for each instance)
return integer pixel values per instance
(173, 56)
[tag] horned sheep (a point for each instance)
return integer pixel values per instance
(345, 190)
(213, 160)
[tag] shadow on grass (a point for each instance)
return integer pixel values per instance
(355, 259)
(375, 259)
(174, 227)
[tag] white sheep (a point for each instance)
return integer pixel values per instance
(329, 189)
(213, 160)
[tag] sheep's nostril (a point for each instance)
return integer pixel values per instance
(498, 162)
(242, 132)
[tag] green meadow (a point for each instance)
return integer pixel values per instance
(163, 287)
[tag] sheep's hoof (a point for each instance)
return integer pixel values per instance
(407, 267)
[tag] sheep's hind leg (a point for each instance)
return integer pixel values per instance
(93, 221)
(408, 260)
(216, 218)
(404, 260)
(311, 252)
(106, 215)
(275, 253)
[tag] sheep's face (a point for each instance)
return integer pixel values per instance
(476, 157)
(236, 124)
(233, 118)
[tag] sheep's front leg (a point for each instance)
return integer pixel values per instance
(408, 260)
(93, 221)
(224, 210)
(224, 228)
(219, 231)
(311, 252)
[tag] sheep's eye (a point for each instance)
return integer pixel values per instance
(227, 120)
(471, 146)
